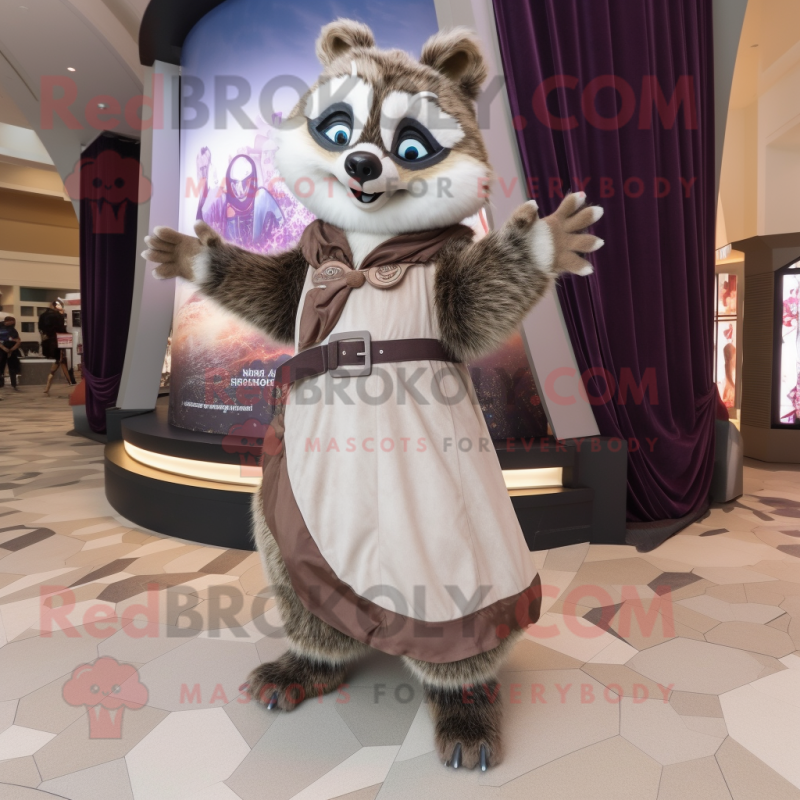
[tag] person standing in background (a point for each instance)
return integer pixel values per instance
(52, 322)
(9, 352)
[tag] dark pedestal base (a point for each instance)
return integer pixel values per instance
(590, 506)
(200, 511)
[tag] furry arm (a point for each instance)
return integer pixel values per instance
(484, 289)
(263, 290)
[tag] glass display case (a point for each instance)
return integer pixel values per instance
(726, 315)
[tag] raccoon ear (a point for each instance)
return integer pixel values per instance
(457, 55)
(336, 38)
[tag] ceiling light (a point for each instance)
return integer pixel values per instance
(70, 69)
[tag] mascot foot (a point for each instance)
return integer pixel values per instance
(285, 683)
(467, 726)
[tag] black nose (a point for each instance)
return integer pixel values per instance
(363, 166)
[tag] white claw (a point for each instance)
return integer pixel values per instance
(598, 212)
(157, 276)
(584, 271)
(581, 198)
(597, 245)
(144, 255)
(533, 204)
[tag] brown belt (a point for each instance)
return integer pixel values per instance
(352, 354)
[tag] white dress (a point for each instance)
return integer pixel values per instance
(401, 495)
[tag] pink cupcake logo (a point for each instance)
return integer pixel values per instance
(106, 688)
(110, 183)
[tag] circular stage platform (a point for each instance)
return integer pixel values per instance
(180, 482)
(199, 486)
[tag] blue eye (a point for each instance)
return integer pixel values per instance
(338, 134)
(411, 150)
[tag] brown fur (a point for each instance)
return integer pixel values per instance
(484, 289)
(339, 37)
(260, 289)
(465, 703)
(470, 716)
(293, 678)
(263, 290)
(457, 54)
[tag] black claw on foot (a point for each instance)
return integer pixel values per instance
(455, 761)
(283, 684)
(467, 735)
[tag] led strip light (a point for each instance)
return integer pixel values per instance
(191, 468)
(541, 478)
(516, 479)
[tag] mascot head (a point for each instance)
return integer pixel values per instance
(386, 144)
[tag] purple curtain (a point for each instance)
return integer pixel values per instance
(108, 179)
(616, 98)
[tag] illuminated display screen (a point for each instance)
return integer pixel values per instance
(787, 285)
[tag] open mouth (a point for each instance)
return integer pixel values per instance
(364, 197)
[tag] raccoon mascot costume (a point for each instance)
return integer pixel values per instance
(383, 520)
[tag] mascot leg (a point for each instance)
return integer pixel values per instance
(318, 655)
(465, 703)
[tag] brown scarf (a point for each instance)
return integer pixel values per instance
(326, 249)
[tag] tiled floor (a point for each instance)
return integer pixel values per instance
(669, 675)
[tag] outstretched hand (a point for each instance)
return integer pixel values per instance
(176, 252)
(568, 227)
(559, 241)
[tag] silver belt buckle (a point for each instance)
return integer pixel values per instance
(353, 370)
